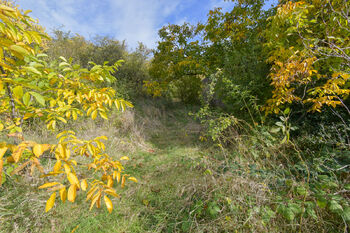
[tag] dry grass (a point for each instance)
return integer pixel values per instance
(184, 185)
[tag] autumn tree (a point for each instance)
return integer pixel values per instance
(33, 87)
(308, 43)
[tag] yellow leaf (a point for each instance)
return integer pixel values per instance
(109, 181)
(95, 198)
(108, 204)
(47, 185)
(129, 104)
(117, 104)
(118, 177)
(91, 192)
(50, 202)
(65, 132)
(133, 179)
(66, 168)
(94, 114)
(63, 194)
(111, 192)
(124, 158)
(75, 228)
(16, 155)
(39, 149)
(98, 203)
(18, 49)
(75, 116)
(6, 8)
(91, 149)
(84, 185)
(123, 181)
(18, 91)
(72, 192)
(73, 179)
(103, 115)
(2, 151)
(57, 166)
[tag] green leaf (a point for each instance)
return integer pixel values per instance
(321, 202)
(3, 178)
(332, 185)
(62, 64)
(63, 59)
(301, 190)
(275, 129)
(334, 207)
(32, 69)
(289, 214)
(296, 208)
(286, 111)
(213, 209)
(38, 98)
(347, 186)
(26, 99)
(346, 214)
(311, 213)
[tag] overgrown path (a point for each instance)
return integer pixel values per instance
(170, 179)
(185, 185)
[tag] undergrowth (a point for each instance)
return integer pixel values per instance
(190, 183)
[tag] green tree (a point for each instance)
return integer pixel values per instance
(176, 68)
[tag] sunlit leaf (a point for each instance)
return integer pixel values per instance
(39, 149)
(123, 182)
(18, 92)
(73, 179)
(124, 158)
(72, 192)
(133, 179)
(50, 202)
(16, 155)
(39, 98)
(108, 204)
(63, 194)
(2, 151)
(84, 185)
(47, 185)
(19, 49)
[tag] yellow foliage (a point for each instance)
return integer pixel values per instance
(65, 93)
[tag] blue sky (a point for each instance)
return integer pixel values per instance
(132, 20)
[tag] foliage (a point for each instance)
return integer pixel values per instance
(101, 49)
(54, 92)
(308, 46)
(176, 66)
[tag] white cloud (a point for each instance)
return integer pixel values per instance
(132, 20)
(139, 20)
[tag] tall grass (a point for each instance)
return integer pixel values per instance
(185, 184)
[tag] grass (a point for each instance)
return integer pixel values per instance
(185, 185)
